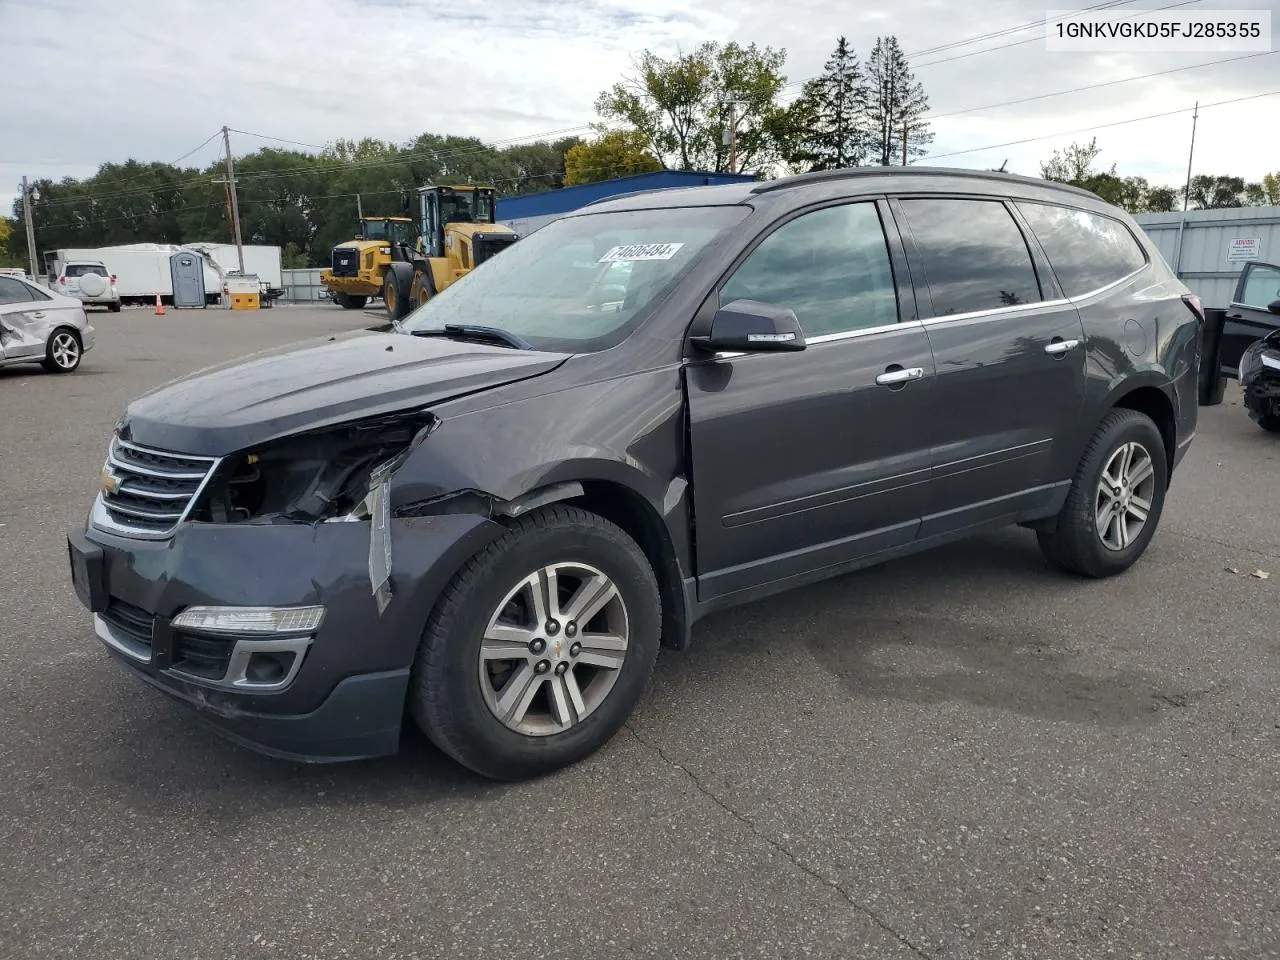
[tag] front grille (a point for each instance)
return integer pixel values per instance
(485, 247)
(206, 657)
(346, 262)
(148, 492)
(133, 621)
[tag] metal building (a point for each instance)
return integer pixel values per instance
(527, 212)
(1209, 248)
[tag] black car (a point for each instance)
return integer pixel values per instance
(492, 515)
(1248, 346)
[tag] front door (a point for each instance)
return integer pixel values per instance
(806, 460)
(1249, 318)
(1011, 360)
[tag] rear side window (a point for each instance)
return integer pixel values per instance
(975, 257)
(13, 291)
(1087, 250)
(80, 269)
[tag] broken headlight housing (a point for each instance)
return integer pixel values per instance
(310, 477)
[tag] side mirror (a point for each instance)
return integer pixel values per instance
(753, 327)
(1274, 306)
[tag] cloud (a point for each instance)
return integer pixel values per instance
(150, 79)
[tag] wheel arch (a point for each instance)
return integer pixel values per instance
(625, 506)
(1153, 401)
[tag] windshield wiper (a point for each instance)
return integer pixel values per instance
(475, 331)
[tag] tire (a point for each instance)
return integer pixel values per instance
(63, 352)
(394, 297)
(422, 291)
(455, 699)
(114, 306)
(1077, 545)
(1269, 422)
(350, 301)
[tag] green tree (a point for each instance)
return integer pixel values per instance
(618, 153)
(682, 106)
(1212, 192)
(831, 115)
(897, 103)
(1271, 188)
(8, 228)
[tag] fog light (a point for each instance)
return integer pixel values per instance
(252, 620)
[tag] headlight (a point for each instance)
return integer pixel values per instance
(308, 477)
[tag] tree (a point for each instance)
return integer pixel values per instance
(1271, 188)
(618, 153)
(831, 115)
(1212, 192)
(1162, 199)
(682, 106)
(1075, 165)
(897, 101)
(8, 255)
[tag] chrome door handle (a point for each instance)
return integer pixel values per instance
(891, 377)
(1061, 346)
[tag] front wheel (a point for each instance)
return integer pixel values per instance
(393, 297)
(1269, 422)
(1115, 501)
(540, 647)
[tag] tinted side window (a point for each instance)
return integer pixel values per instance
(1262, 286)
(831, 267)
(1087, 250)
(13, 291)
(975, 257)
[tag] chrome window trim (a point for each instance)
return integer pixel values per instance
(824, 338)
(993, 312)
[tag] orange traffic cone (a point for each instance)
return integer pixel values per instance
(159, 306)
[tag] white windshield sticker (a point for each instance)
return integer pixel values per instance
(641, 251)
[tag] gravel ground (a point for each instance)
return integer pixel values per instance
(961, 754)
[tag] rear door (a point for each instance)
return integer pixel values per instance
(1248, 319)
(1010, 356)
(25, 320)
(806, 460)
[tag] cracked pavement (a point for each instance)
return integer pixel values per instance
(957, 755)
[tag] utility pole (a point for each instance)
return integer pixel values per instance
(359, 209)
(235, 200)
(31, 230)
(733, 136)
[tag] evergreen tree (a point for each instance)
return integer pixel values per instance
(834, 109)
(897, 100)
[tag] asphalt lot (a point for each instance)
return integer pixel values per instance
(961, 754)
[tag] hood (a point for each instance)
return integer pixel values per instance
(313, 384)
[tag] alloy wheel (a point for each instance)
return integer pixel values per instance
(1125, 492)
(65, 351)
(553, 649)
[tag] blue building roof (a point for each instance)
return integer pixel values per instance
(571, 198)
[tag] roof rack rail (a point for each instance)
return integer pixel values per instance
(850, 173)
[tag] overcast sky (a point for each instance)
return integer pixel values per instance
(91, 81)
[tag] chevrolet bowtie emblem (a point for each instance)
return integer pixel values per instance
(109, 482)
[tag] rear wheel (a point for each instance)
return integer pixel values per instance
(63, 352)
(540, 647)
(1269, 422)
(114, 306)
(1115, 501)
(350, 301)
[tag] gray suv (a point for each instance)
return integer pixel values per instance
(490, 515)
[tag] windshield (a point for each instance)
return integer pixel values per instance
(465, 206)
(579, 284)
(398, 231)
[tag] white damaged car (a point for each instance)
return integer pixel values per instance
(40, 326)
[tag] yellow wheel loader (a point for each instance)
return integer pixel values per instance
(456, 233)
(358, 267)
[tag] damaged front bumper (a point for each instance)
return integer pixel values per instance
(322, 686)
(1260, 378)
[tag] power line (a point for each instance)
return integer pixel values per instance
(1008, 30)
(1100, 126)
(261, 136)
(1096, 86)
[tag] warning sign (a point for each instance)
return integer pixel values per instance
(1243, 248)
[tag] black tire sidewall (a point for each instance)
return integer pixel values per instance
(486, 744)
(1132, 428)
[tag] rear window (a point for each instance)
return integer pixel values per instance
(1087, 250)
(81, 269)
